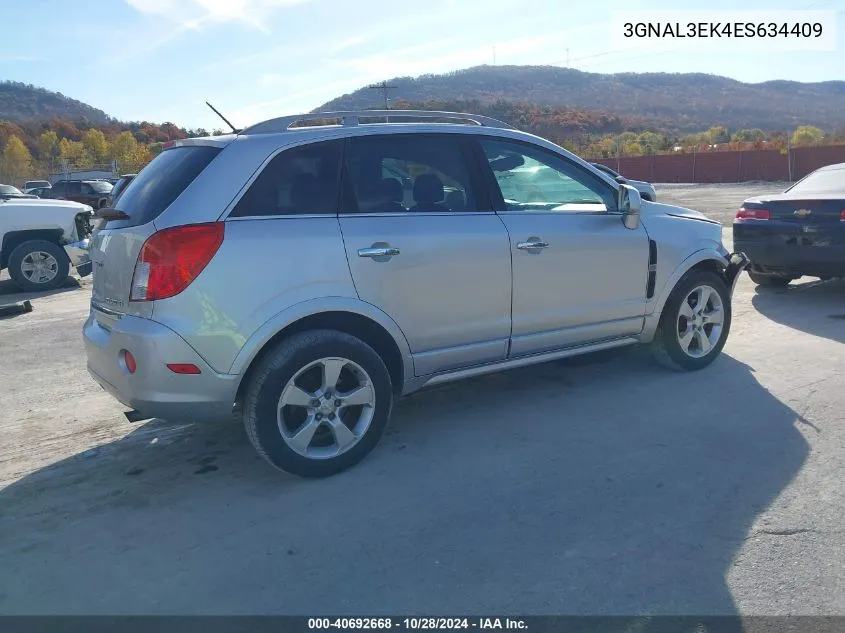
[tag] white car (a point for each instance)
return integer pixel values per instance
(646, 190)
(41, 239)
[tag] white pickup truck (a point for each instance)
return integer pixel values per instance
(41, 239)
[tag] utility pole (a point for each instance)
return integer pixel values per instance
(383, 87)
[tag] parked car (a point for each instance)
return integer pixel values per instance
(92, 192)
(36, 184)
(119, 186)
(8, 192)
(798, 232)
(41, 239)
(278, 272)
(40, 192)
(646, 189)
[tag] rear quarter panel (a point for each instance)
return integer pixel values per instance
(263, 267)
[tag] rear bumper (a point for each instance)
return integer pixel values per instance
(774, 257)
(153, 390)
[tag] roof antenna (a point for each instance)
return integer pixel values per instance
(234, 129)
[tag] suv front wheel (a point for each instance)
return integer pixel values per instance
(318, 403)
(695, 322)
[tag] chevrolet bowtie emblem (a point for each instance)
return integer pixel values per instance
(802, 213)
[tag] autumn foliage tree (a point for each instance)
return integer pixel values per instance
(15, 161)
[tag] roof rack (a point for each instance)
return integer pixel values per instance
(350, 119)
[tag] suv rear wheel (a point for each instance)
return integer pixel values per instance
(318, 403)
(38, 265)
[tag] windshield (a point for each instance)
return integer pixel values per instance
(101, 186)
(9, 189)
(827, 181)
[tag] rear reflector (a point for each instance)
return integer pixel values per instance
(171, 259)
(753, 214)
(183, 368)
(129, 361)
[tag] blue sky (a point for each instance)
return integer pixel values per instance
(160, 60)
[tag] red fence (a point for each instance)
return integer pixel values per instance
(730, 166)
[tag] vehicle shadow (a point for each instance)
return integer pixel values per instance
(816, 307)
(10, 293)
(606, 488)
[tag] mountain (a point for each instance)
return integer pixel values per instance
(680, 102)
(23, 102)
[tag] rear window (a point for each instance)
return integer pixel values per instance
(161, 182)
(827, 181)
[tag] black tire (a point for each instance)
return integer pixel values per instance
(21, 252)
(278, 367)
(665, 347)
(776, 281)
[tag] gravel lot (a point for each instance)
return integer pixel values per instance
(600, 485)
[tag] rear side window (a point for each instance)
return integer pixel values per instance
(161, 182)
(418, 173)
(300, 181)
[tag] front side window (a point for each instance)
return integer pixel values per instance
(74, 188)
(300, 181)
(87, 189)
(417, 173)
(533, 179)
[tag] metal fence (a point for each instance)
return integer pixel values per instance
(728, 166)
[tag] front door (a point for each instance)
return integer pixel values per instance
(579, 275)
(424, 246)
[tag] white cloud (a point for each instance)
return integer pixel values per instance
(195, 14)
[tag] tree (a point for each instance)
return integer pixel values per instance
(16, 161)
(652, 141)
(74, 152)
(96, 146)
(746, 135)
(717, 134)
(807, 135)
(48, 150)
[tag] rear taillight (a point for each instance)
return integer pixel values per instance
(171, 259)
(842, 215)
(753, 214)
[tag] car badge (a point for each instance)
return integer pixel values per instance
(802, 213)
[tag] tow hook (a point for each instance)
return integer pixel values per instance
(736, 264)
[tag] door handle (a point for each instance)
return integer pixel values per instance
(531, 244)
(381, 251)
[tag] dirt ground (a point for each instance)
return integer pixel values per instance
(598, 485)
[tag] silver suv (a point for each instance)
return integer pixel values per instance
(305, 276)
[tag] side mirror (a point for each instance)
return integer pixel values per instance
(628, 203)
(621, 180)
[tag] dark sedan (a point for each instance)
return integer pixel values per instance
(798, 232)
(8, 192)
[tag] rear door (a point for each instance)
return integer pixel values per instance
(73, 191)
(424, 246)
(115, 246)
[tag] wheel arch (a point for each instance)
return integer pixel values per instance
(13, 239)
(356, 318)
(707, 259)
